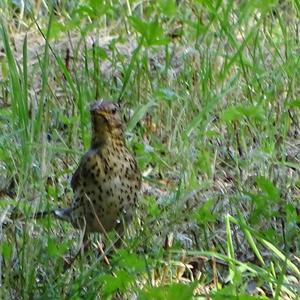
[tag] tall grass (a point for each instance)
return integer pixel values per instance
(210, 96)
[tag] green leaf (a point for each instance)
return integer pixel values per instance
(139, 25)
(93, 9)
(151, 32)
(204, 161)
(167, 7)
(249, 236)
(52, 249)
(294, 104)
(6, 249)
(100, 52)
(152, 207)
(56, 249)
(230, 293)
(280, 255)
(166, 94)
(177, 291)
(204, 214)
(239, 112)
(130, 261)
(267, 187)
(56, 29)
(263, 6)
(118, 281)
(84, 11)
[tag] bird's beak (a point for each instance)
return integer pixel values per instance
(99, 113)
(103, 114)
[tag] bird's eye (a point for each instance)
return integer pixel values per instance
(114, 110)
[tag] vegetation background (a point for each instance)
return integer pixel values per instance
(210, 94)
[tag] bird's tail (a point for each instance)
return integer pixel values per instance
(64, 214)
(59, 213)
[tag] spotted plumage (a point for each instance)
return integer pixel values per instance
(107, 180)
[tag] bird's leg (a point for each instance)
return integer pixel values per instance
(114, 245)
(101, 249)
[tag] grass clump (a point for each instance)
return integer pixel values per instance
(210, 94)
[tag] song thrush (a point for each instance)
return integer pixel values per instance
(107, 181)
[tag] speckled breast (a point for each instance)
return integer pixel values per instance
(108, 194)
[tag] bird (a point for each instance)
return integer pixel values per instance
(107, 181)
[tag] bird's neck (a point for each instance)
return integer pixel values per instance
(115, 138)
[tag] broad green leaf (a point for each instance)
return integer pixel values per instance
(56, 249)
(204, 214)
(93, 9)
(239, 112)
(130, 261)
(294, 104)
(151, 32)
(267, 187)
(118, 281)
(177, 291)
(56, 29)
(167, 7)
(6, 249)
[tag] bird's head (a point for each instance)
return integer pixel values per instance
(106, 122)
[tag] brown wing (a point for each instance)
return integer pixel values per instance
(76, 178)
(138, 174)
(134, 172)
(84, 169)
